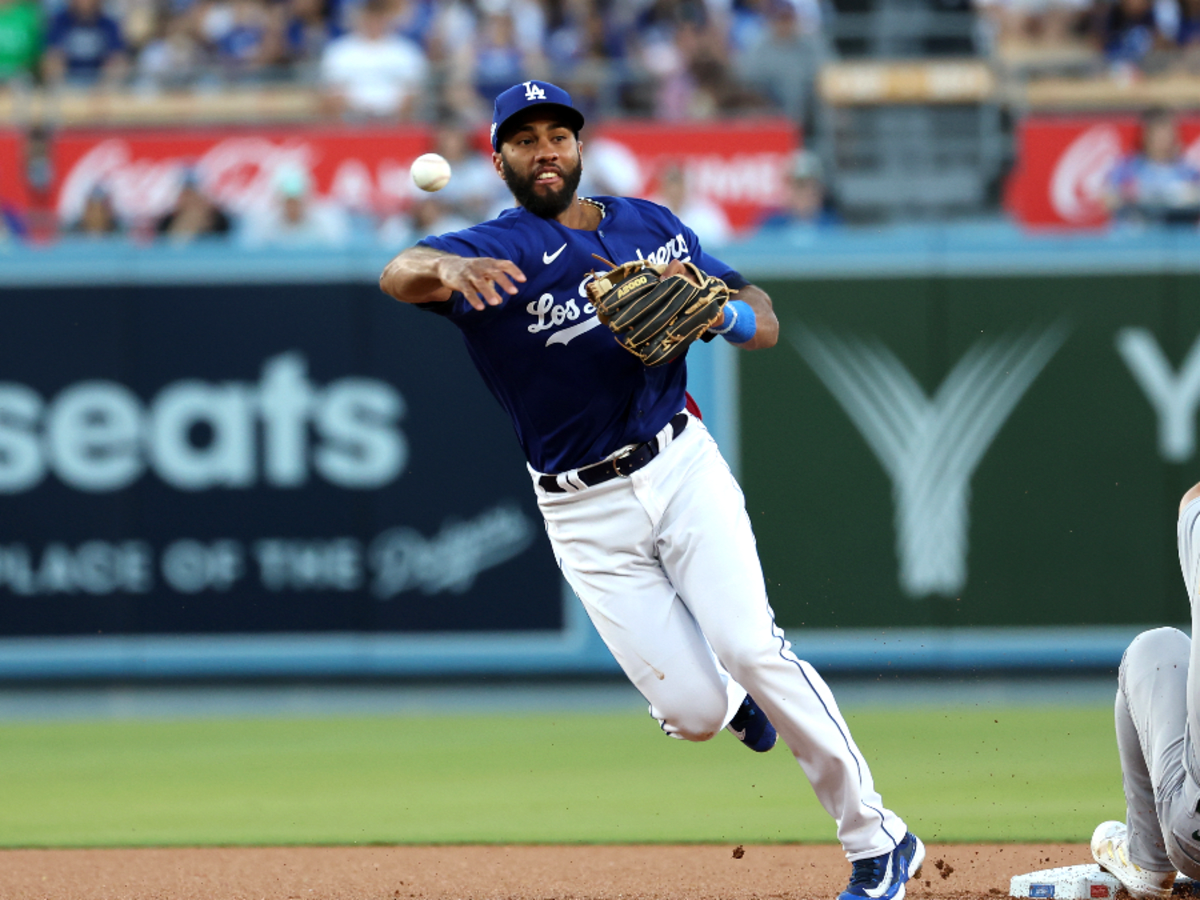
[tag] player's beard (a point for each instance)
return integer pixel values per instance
(544, 204)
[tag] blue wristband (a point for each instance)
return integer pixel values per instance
(744, 324)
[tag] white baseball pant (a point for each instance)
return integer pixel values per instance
(666, 565)
(1158, 719)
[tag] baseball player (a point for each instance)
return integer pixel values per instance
(647, 523)
(1158, 719)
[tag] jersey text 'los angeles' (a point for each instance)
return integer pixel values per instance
(574, 395)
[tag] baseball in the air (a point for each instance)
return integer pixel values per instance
(430, 172)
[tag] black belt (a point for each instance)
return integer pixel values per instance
(624, 465)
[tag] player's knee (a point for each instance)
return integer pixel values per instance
(699, 722)
(1157, 647)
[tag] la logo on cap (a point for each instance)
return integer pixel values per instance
(533, 92)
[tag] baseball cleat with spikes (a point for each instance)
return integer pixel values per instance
(1110, 848)
(883, 877)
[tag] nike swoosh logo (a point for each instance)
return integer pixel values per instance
(566, 335)
(740, 735)
(883, 885)
(548, 258)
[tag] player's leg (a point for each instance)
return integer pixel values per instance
(1188, 535)
(1146, 846)
(708, 550)
(604, 543)
(1151, 718)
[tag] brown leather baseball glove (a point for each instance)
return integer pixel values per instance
(657, 318)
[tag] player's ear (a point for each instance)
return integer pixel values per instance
(497, 163)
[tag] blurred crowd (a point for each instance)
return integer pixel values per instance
(443, 61)
(295, 215)
(1123, 38)
(400, 59)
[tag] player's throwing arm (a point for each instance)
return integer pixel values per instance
(423, 275)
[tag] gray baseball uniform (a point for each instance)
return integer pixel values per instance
(1158, 722)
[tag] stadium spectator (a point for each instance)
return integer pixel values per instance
(783, 63)
(12, 225)
(194, 214)
(1138, 34)
(308, 29)
(502, 53)
(499, 59)
(371, 71)
(685, 52)
(414, 19)
(83, 46)
(590, 52)
(253, 41)
(175, 57)
(428, 216)
(99, 218)
(20, 39)
(578, 31)
(1156, 184)
(703, 216)
(449, 39)
(805, 204)
(40, 217)
(1188, 34)
(474, 191)
(295, 218)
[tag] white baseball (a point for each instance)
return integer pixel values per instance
(430, 172)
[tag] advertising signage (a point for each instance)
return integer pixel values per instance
(256, 460)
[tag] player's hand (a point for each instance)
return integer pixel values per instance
(675, 267)
(480, 279)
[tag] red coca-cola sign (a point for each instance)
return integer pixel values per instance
(739, 166)
(13, 191)
(364, 169)
(1063, 165)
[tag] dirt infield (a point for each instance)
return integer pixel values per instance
(707, 872)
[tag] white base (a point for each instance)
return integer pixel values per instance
(1088, 882)
(1067, 883)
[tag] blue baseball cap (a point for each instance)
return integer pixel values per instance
(528, 94)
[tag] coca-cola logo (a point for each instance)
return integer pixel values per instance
(1077, 185)
(238, 172)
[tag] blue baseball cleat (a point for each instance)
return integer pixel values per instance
(883, 877)
(751, 726)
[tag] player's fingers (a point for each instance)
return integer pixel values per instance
(505, 280)
(513, 271)
(485, 287)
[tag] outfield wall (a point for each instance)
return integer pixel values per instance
(964, 454)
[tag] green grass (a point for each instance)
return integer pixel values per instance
(961, 774)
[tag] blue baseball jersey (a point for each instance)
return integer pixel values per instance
(575, 395)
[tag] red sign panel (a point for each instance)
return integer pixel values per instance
(1063, 165)
(364, 169)
(13, 191)
(740, 166)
